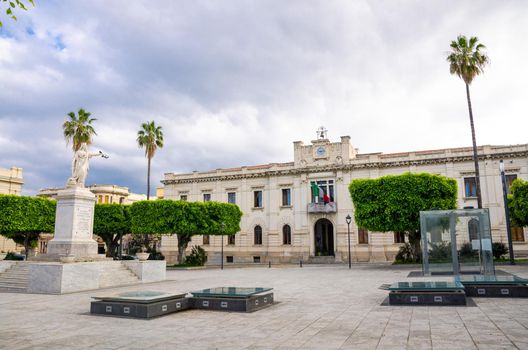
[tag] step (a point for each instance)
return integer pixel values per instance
(7, 279)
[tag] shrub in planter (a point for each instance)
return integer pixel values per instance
(197, 257)
(499, 249)
(406, 254)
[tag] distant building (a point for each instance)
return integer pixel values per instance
(160, 192)
(11, 182)
(284, 221)
(106, 194)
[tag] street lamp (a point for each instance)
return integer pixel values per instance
(348, 221)
(507, 212)
(222, 227)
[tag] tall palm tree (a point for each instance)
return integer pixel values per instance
(79, 129)
(467, 60)
(151, 137)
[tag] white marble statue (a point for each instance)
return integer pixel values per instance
(80, 165)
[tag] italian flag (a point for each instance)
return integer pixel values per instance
(317, 192)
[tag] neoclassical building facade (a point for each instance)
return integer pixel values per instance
(297, 210)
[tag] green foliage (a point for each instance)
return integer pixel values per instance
(467, 252)
(184, 219)
(23, 218)
(20, 214)
(197, 257)
(79, 129)
(187, 218)
(466, 58)
(11, 5)
(393, 203)
(440, 252)
(150, 137)
(499, 249)
(518, 202)
(110, 222)
(406, 254)
(111, 219)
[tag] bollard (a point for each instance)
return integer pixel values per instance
(300, 263)
(269, 264)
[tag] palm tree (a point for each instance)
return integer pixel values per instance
(466, 60)
(79, 129)
(151, 137)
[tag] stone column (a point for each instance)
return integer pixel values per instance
(74, 224)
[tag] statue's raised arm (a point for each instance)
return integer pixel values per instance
(80, 165)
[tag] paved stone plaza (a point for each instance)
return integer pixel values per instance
(319, 307)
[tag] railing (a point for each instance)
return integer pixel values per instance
(322, 208)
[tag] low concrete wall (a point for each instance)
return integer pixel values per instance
(148, 271)
(58, 278)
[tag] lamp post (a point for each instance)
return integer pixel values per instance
(222, 227)
(507, 212)
(348, 221)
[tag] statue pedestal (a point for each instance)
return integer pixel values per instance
(74, 224)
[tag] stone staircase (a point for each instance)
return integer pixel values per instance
(115, 273)
(15, 278)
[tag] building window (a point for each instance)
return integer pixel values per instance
(121, 200)
(362, 236)
(517, 233)
(206, 197)
(257, 235)
(286, 197)
(231, 197)
(257, 199)
(106, 199)
(229, 259)
(399, 237)
(205, 240)
(286, 234)
(322, 191)
(183, 197)
(256, 259)
(470, 186)
(509, 180)
(231, 239)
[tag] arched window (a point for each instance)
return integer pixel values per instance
(258, 235)
(286, 234)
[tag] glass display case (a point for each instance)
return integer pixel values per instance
(456, 242)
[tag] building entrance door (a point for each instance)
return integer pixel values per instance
(324, 238)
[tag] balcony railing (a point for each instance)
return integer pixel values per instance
(322, 208)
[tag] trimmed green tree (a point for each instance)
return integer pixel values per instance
(393, 203)
(184, 219)
(111, 221)
(23, 218)
(518, 202)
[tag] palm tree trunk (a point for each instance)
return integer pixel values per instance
(148, 177)
(475, 155)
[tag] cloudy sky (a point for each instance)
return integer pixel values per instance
(236, 82)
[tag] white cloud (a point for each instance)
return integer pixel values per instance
(235, 82)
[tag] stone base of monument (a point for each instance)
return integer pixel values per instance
(60, 278)
(142, 304)
(427, 293)
(509, 286)
(149, 304)
(232, 299)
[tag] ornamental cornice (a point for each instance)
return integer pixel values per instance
(349, 167)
